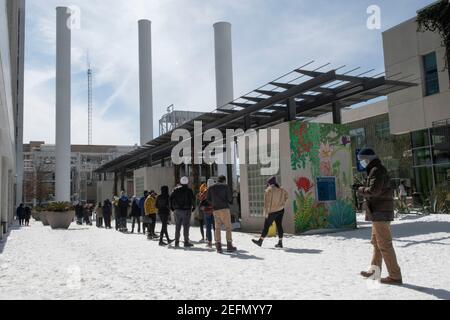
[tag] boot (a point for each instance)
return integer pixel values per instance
(209, 245)
(230, 247)
(279, 245)
(162, 244)
(219, 248)
(390, 281)
(258, 242)
(188, 245)
(170, 241)
(177, 244)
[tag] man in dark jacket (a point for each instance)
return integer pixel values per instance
(182, 202)
(379, 207)
(220, 196)
(107, 213)
(79, 213)
(123, 205)
(20, 212)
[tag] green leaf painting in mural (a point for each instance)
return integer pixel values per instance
(305, 145)
(341, 215)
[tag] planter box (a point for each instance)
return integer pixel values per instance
(60, 220)
(36, 216)
(43, 218)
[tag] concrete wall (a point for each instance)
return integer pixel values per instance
(404, 48)
(105, 190)
(7, 124)
(153, 179)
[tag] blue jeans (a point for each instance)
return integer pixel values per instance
(210, 225)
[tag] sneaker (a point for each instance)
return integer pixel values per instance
(163, 244)
(258, 242)
(230, 248)
(392, 282)
(188, 245)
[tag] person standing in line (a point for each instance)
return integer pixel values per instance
(275, 199)
(163, 206)
(87, 213)
(79, 213)
(20, 213)
(201, 213)
(135, 214)
(142, 208)
(107, 213)
(182, 202)
(379, 207)
(27, 216)
(99, 215)
(219, 195)
(123, 204)
(150, 213)
(207, 210)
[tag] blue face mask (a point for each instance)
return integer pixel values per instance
(364, 163)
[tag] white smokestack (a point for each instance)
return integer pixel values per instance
(224, 76)
(63, 96)
(145, 80)
(224, 63)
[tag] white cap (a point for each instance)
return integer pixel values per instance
(184, 181)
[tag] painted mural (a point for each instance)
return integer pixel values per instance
(321, 152)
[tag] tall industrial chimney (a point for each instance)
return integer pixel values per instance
(145, 80)
(224, 80)
(224, 63)
(63, 96)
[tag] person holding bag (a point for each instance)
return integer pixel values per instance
(275, 199)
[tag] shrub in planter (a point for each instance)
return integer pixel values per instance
(36, 213)
(60, 215)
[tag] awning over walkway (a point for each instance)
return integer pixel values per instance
(300, 94)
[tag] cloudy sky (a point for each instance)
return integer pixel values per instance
(270, 38)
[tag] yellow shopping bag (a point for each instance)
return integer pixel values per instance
(272, 231)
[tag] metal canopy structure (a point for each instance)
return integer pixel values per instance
(307, 94)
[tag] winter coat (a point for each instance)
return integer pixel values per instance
(99, 212)
(27, 213)
(150, 206)
(275, 199)
(20, 212)
(378, 193)
(205, 205)
(123, 207)
(79, 211)
(163, 204)
(107, 209)
(135, 210)
(182, 198)
(220, 196)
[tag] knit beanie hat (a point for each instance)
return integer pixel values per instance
(368, 154)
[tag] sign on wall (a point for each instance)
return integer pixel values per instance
(326, 189)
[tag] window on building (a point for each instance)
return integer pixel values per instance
(358, 137)
(422, 157)
(431, 76)
(420, 139)
(383, 130)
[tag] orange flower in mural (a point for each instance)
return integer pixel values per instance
(304, 184)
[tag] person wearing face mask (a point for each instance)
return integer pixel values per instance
(379, 206)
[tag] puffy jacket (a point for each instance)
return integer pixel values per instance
(123, 205)
(274, 200)
(219, 195)
(378, 193)
(150, 206)
(182, 198)
(163, 204)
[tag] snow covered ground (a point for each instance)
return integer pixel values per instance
(90, 263)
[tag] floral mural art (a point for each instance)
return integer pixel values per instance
(321, 150)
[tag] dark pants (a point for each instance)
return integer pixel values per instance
(210, 225)
(164, 221)
(87, 220)
(138, 220)
(276, 217)
(202, 230)
(183, 218)
(27, 221)
(152, 224)
(107, 221)
(99, 222)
